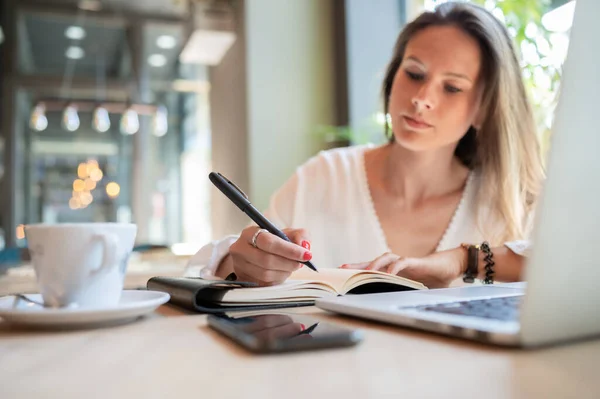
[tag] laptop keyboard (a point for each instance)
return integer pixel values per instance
(504, 309)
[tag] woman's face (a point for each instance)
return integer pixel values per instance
(436, 94)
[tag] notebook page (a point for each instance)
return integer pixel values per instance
(337, 278)
(372, 276)
(287, 291)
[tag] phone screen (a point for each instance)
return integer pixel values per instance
(283, 332)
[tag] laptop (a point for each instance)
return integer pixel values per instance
(560, 300)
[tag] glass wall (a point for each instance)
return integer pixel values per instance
(105, 122)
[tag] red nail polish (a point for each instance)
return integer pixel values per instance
(306, 244)
(303, 327)
(307, 256)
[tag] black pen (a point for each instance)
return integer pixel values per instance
(240, 199)
(308, 331)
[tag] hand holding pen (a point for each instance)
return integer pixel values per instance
(263, 254)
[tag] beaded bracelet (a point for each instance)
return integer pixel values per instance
(489, 263)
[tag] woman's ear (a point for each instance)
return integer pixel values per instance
(481, 111)
(479, 117)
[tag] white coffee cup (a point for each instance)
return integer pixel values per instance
(82, 264)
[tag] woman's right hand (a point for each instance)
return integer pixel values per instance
(273, 259)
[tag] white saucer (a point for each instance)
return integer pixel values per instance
(133, 303)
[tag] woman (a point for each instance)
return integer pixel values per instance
(462, 165)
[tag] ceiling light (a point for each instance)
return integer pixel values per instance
(130, 122)
(113, 189)
(70, 119)
(166, 42)
(90, 5)
(157, 60)
(207, 47)
(160, 121)
(213, 33)
(101, 120)
(74, 53)
(75, 32)
(38, 120)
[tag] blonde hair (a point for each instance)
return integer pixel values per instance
(506, 149)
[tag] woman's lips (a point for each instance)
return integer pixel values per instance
(415, 123)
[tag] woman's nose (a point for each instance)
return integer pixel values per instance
(423, 100)
(421, 104)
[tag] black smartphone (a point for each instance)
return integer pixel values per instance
(278, 332)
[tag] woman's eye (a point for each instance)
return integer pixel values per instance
(415, 76)
(452, 89)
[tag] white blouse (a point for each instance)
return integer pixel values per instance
(329, 197)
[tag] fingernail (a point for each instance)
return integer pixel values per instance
(303, 327)
(307, 256)
(306, 244)
(343, 266)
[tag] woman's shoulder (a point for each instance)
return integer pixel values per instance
(334, 170)
(337, 160)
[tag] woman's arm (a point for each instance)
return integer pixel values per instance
(225, 268)
(508, 266)
(205, 262)
(440, 269)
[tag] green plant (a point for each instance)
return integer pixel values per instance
(523, 19)
(337, 136)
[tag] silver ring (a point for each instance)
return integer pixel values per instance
(255, 236)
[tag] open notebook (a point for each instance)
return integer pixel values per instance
(301, 289)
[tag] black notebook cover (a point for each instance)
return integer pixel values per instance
(203, 296)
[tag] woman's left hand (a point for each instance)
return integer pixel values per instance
(437, 270)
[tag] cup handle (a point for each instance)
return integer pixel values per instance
(109, 252)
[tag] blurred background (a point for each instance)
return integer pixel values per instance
(116, 110)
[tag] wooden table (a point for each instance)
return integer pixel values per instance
(174, 354)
